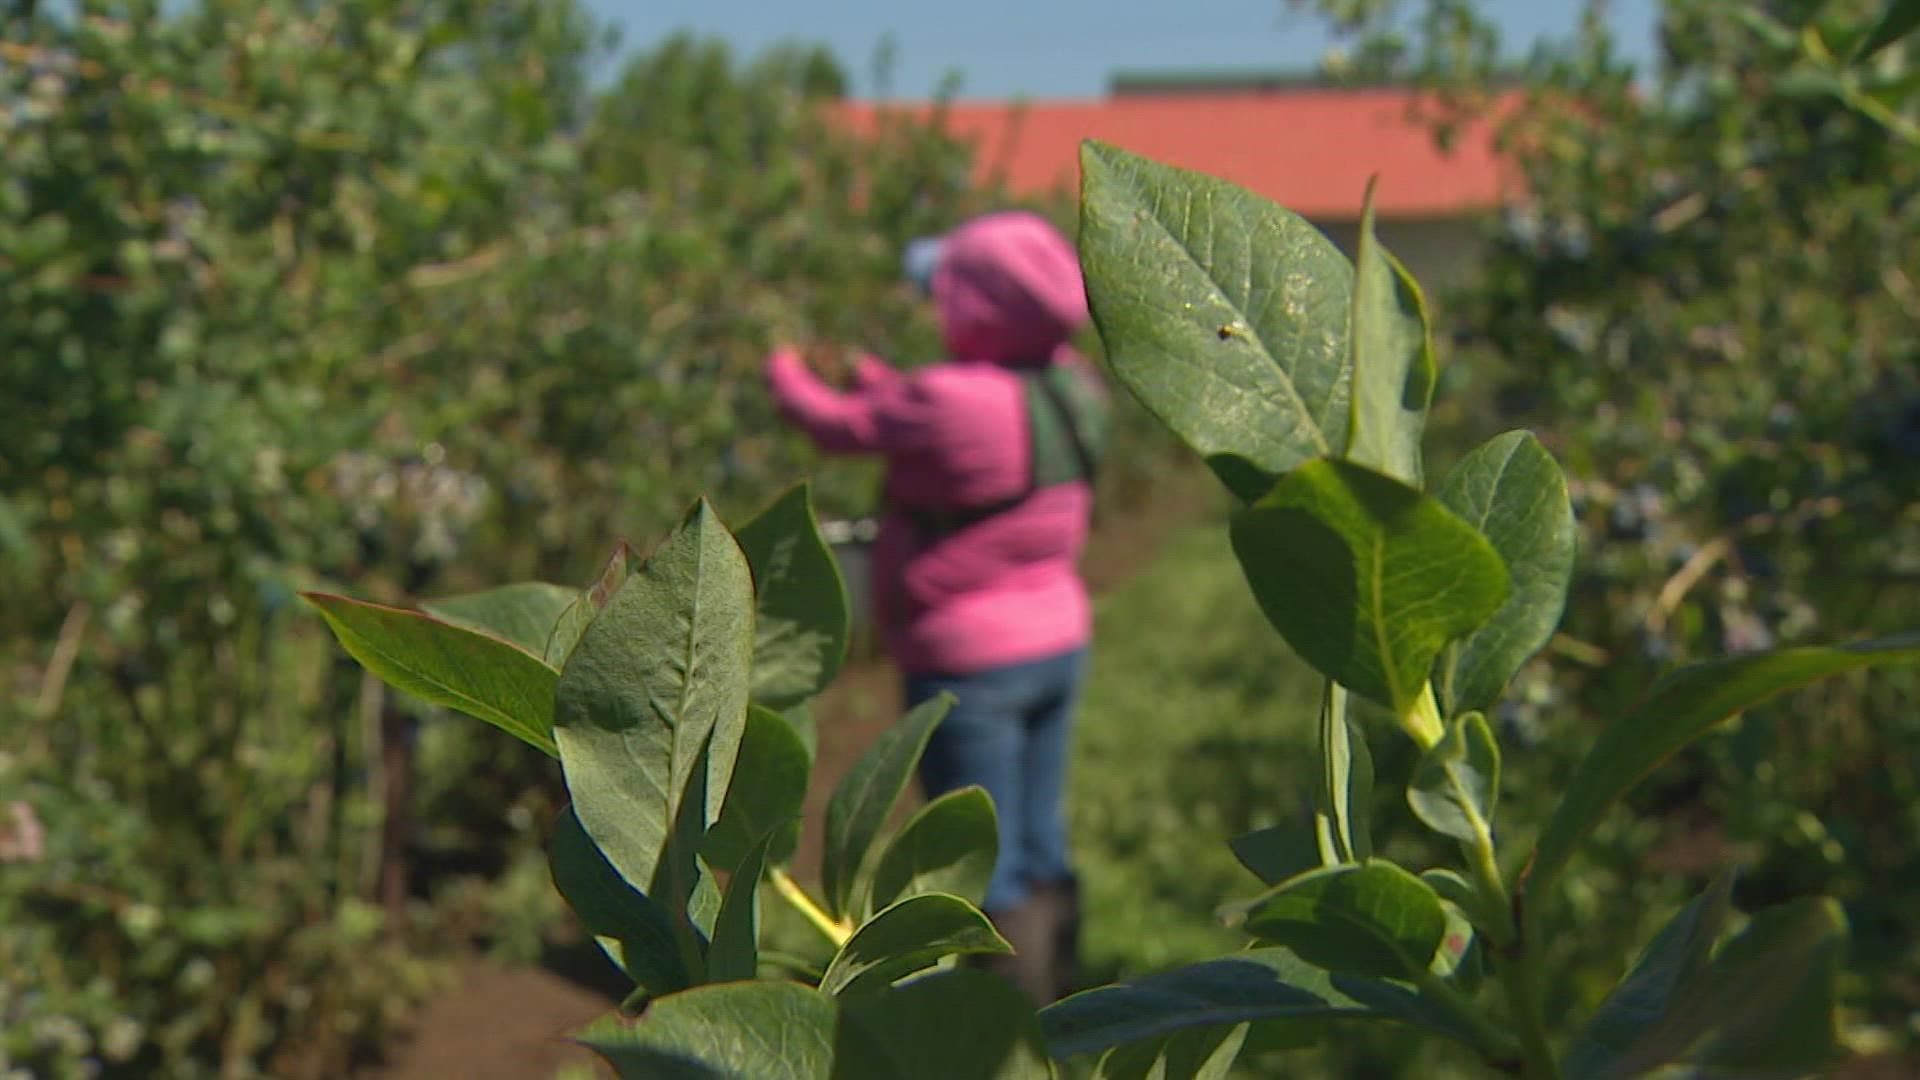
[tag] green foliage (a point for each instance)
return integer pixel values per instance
(523, 614)
(1393, 364)
(801, 623)
(1455, 783)
(778, 1030)
(948, 846)
(651, 708)
(447, 664)
(777, 763)
(907, 936)
(1702, 304)
(1678, 710)
(387, 300)
(1369, 918)
(1370, 579)
(867, 794)
(1366, 578)
(636, 933)
(1510, 489)
(1248, 367)
(1322, 562)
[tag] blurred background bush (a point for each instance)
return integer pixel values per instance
(388, 298)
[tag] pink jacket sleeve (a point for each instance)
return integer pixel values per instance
(880, 416)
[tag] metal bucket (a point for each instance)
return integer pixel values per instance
(851, 541)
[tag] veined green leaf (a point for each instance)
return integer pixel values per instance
(764, 1030)
(1345, 789)
(523, 614)
(1456, 783)
(1372, 919)
(476, 673)
(865, 796)
(586, 607)
(1224, 314)
(632, 930)
(948, 846)
(1762, 1006)
(1680, 708)
(735, 953)
(1365, 577)
(912, 934)
(768, 787)
(651, 707)
(800, 637)
(955, 1025)
(1262, 984)
(1393, 365)
(1514, 493)
(1276, 853)
(1197, 1054)
(1675, 957)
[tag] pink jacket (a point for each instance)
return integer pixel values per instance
(1006, 589)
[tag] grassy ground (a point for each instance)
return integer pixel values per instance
(1196, 727)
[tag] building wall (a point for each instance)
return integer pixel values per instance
(1439, 252)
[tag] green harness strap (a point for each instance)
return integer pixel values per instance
(1067, 420)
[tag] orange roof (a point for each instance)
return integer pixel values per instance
(1310, 150)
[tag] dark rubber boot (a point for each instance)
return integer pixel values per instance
(1029, 928)
(1063, 900)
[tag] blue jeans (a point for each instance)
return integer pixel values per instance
(1010, 732)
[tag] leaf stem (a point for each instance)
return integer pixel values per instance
(1422, 723)
(1496, 906)
(1519, 977)
(836, 930)
(1514, 963)
(1493, 1043)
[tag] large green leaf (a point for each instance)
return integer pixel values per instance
(865, 796)
(633, 931)
(1773, 993)
(956, 1025)
(911, 935)
(1393, 365)
(1199, 1054)
(1224, 314)
(476, 673)
(1276, 853)
(1365, 577)
(1675, 957)
(735, 953)
(760, 1030)
(800, 635)
(1372, 919)
(1344, 790)
(586, 606)
(524, 614)
(1762, 1006)
(651, 707)
(1680, 708)
(1257, 985)
(1513, 491)
(764, 798)
(949, 846)
(1455, 783)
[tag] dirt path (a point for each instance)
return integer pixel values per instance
(498, 1024)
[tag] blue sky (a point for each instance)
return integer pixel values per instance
(1053, 48)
